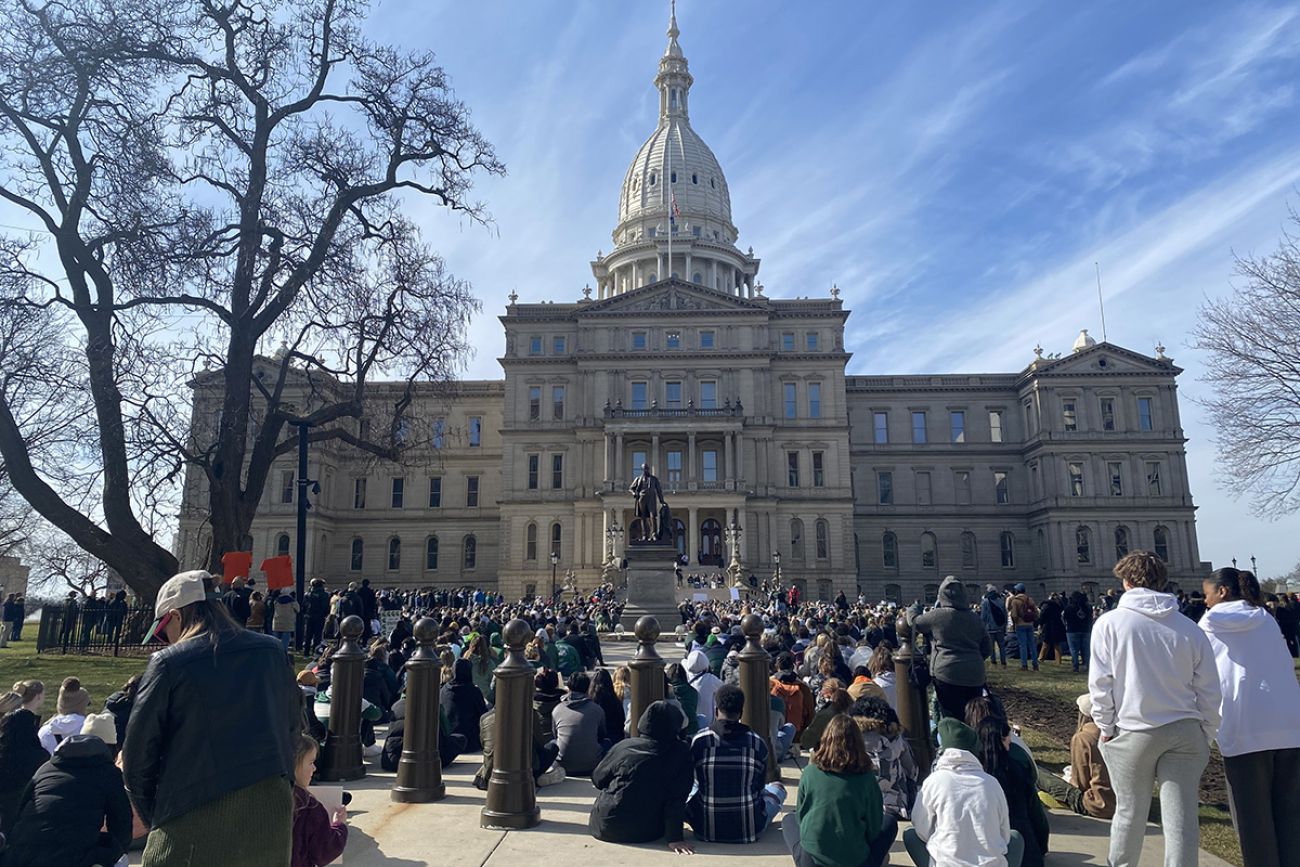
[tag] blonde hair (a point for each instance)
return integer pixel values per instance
(1142, 569)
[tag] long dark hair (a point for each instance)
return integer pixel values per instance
(990, 736)
(1239, 583)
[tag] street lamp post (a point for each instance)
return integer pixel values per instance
(776, 577)
(300, 554)
(1254, 570)
(555, 561)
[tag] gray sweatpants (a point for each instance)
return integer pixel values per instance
(1173, 755)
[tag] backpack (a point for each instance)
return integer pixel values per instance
(1028, 611)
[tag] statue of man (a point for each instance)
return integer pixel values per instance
(647, 497)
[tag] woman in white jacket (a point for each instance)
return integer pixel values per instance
(1259, 736)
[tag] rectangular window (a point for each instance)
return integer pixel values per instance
(1076, 480)
(535, 345)
(638, 458)
(885, 488)
(471, 491)
(439, 427)
(358, 493)
(708, 395)
(995, 425)
(640, 395)
(639, 340)
(707, 339)
(1144, 414)
(475, 431)
(534, 402)
(961, 480)
(557, 402)
(1069, 416)
(557, 472)
(880, 424)
(811, 341)
(819, 470)
(957, 421)
(787, 341)
(435, 492)
(709, 465)
(675, 467)
(1153, 478)
(918, 427)
(792, 469)
(1107, 413)
(1001, 488)
(559, 345)
(286, 486)
(790, 399)
(673, 340)
(673, 395)
(534, 469)
(923, 489)
(814, 400)
(399, 492)
(1114, 470)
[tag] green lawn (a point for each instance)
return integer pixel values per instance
(100, 675)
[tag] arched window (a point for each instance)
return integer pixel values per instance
(679, 536)
(710, 543)
(695, 179)
(1161, 543)
(857, 554)
(358, 554)
(556, 535)
(282, 544)
(697, 277)
(530, 542)
(1121, 542)
(823, 540)
(929, 552)
(1007, 545)
(1040, 549)
(1083, 545)
(652, 179)
(673, 178)
(889, 551)
(931, 594)
(824, 588)
(796, 540)
(894, 593)
(431, 553)
(471, 552)
(968, 556)
(394, 553)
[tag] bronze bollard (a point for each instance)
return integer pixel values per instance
(419, 772)
(913, 703)
(512, 793)
(342, 754)
(647, 670)
(755, 671)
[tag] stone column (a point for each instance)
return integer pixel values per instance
(647, 670)
(618, 460)
(913, 703)
(687, 275)
(609, 460)
(512, 795)
(691, 478)
(419, 773)
(754, 674)
(655, 466)
(693, 535)
(341, 757)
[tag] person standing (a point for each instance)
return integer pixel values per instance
(284, 618)
(1051, 618)
(211, 739)
(1259, 736)
(20, 613)
(959, 645)
(994, 614)
(1078, 628)
(1155, 699)
(318, 608)
(238, 601)
(7, 623)
(1024, 614)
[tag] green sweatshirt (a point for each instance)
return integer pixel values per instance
(839, 815)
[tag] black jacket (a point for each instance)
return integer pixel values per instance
(644, 782)
(465, 705)
(237, 599)
(21, 755)
(119, 705)
(66, 804)
(212, 716)
(317, 604)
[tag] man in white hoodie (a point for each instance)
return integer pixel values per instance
(1155, 699)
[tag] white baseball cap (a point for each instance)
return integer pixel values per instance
(176, 592)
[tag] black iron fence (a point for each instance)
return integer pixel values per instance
(98, 629)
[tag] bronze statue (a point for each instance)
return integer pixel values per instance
(647, 499)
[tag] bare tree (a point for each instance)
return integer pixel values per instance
(210, 179)
(1252, 342)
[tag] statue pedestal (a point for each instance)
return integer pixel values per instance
(651, 585)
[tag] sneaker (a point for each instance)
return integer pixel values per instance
(551, 777)
(1035, 668)
(373, 750)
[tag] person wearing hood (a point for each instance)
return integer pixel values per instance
(284, 617)
(580, 731)
(1155, 699)
(993, 613)
(731, 667)
(70, 716)
(73, 795)
(1259, 736)
(546, 697)
(464, 703)
(961, 817)
(800, 705)
(21, 753)
(891, 754)
(644, 782)
(959, 645)
(704, 681)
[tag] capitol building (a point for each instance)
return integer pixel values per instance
(740, 400)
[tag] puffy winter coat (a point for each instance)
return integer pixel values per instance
(21, 754)
(644, 782)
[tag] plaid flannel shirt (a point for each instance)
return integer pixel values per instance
(730, 770)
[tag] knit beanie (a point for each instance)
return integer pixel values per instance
(72, 698)
(101, 725)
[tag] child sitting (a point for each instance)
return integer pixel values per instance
(318, 838)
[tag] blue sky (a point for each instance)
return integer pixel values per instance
(955, 168)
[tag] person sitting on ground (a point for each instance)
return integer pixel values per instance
(686, 696)
(837, 701)
(318, 837)
(450, 744)
(730, 803)
(1088, 790)
(798, 698)
(881, 667)
(704, 682)
(643, 783)
(546, 698)
(826, 666)
(602, 693)
(992, 747)
(863, 685)
(464, 703)
(961, 816)
(546, 770)
(484, 662)
(73, 796)
(959, 644)
(840, 819)
(21, 753)
(891, 754)
(580, 731)
(71, 709)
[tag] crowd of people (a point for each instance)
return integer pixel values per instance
(171, 764)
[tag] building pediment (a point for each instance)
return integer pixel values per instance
(1103, 358)
(670, 296)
